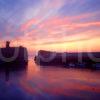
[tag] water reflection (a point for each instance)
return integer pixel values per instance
(7, 70)
(35, 83)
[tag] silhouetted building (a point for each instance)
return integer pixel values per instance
(13, 54)
(7, 44)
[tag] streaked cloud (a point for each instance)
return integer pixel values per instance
(46, 22)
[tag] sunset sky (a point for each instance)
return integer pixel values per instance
(58, 25)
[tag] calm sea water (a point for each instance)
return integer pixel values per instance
(52, 83)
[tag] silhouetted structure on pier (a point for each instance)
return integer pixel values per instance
(81, 60)
(13, 55)
(8, 44)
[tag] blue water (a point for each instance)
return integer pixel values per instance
(38, 83)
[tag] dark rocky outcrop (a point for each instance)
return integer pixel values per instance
(83, 59)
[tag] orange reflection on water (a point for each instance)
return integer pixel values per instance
(60, 81)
